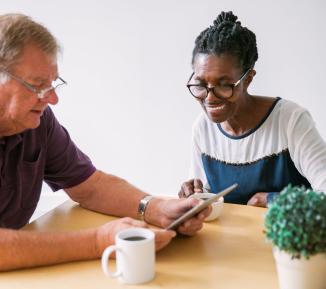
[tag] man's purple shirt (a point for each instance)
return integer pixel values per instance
(46, 153)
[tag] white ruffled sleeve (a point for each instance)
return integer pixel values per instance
(196, 165)
(307, 148)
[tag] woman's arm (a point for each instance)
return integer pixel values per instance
(307, 149)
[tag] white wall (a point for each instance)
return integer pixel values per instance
(127, 62)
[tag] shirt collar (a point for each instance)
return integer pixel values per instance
(11, 141)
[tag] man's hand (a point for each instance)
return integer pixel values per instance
(163, 212)
(258, 200)
(190, 187)
(105, 235)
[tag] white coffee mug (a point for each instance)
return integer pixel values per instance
(217, 206)
(135, 256)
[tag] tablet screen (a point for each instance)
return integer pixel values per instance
(198, 208)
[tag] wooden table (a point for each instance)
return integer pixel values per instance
(228, 253)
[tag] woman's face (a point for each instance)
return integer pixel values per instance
(223, 70)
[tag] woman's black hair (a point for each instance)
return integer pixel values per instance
(226, 35)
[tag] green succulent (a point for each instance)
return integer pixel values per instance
(296, 222)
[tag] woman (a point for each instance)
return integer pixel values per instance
(261, 143)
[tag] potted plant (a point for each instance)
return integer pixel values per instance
(295, 224)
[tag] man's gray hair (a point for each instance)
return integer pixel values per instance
(17, 30)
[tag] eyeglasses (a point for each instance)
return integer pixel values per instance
(41, 93)
(222, 91)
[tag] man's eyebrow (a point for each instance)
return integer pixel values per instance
(41, 79)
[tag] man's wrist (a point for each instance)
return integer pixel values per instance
(142, 207)
(153, 213)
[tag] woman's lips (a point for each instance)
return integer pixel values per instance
(214, 108)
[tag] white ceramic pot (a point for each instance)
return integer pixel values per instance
(217, 206)
(300, 273)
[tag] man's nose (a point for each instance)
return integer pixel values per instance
(50, 97)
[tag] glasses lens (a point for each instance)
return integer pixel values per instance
(58, 89)
(223, 91)
(55, 87)
(58, 84)
(198, 91)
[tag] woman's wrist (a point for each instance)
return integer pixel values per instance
(271, 196)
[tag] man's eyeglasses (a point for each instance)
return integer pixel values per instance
(222, 91)
(41, 93)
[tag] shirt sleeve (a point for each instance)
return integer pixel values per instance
(66, 166)
(307, 149)
(196, 170)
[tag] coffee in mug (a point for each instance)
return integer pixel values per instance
(134, 238)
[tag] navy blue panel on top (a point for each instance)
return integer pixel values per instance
(269, 174)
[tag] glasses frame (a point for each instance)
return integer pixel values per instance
(208, 89)
(41, 93)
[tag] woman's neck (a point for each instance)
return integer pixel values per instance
(250, 112)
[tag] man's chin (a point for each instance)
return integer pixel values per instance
(32, 123)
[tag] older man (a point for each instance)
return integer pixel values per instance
(35, 147)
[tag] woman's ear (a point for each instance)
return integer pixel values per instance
(250, 77)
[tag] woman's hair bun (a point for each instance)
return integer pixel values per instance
(226, 35)
(224, 17)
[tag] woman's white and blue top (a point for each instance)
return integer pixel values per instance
(285, 147)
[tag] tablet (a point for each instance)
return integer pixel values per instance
(198, 208)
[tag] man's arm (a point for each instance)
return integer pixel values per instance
(107, 194)
(114, 196)
(24, 249)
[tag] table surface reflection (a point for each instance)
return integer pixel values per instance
(228, 253)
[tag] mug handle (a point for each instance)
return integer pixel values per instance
(105, 262)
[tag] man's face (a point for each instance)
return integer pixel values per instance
(20, 109)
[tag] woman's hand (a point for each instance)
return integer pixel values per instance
(190, 187)
(258, 200)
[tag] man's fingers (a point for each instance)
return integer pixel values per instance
(134, 222)
(192, 223)
(190, 229)
(163, 237)
(205, 213)
(187, 205)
